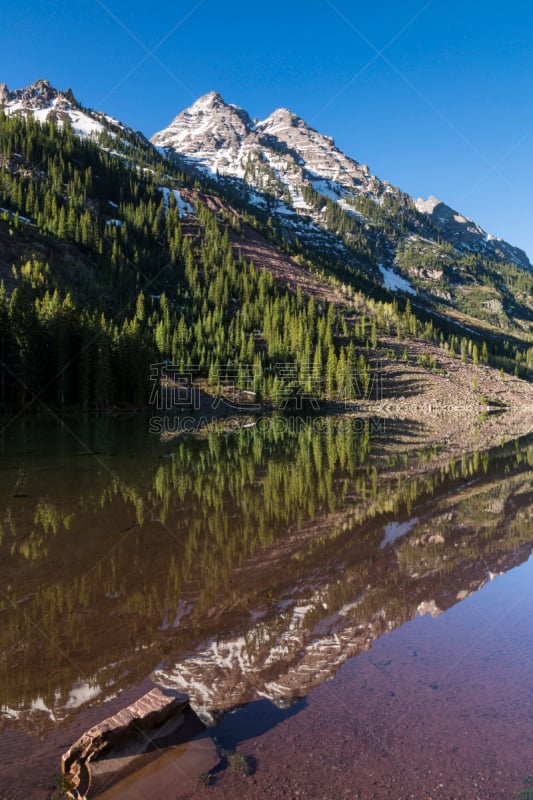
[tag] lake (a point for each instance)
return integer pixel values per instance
(350, 607)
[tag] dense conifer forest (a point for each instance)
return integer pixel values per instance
(101, 278)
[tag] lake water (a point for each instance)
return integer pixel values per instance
(366, 602)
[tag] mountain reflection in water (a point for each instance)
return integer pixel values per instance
(232, 566)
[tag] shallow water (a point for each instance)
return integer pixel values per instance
(265, 566)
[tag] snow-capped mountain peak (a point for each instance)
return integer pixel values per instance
(293, 174)
(209, 100)
(221, 138)
(39, 94)
(279, 119)
(43, 102)
(211, 132)
(277, 158)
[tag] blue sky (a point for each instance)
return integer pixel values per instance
(434, 95)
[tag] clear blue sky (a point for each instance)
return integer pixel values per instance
(435, 96)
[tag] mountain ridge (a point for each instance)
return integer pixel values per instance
(100, 217)
(43, 102)
(311, 158)
(222, 139)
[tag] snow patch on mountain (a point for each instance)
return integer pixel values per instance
(427, 206)
(12, 214)
(184, 208)
(395, 282)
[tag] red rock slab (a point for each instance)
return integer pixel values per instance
(118, 739)
(173, 774)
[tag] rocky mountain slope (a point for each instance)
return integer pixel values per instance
(313, 193)
(222, 138)
(466, 234)
(44, 103)
(282, 154)
(319, 212)
(279, 157)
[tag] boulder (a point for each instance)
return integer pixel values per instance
(144, 726)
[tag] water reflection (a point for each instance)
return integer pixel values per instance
(236, 566)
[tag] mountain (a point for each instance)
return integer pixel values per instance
(222, 138)
(310, 190)
(227, 241)
(280, 157)
(44, 103)
(282, 154)
(273, 164)
(467, 235)
(110, 263)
